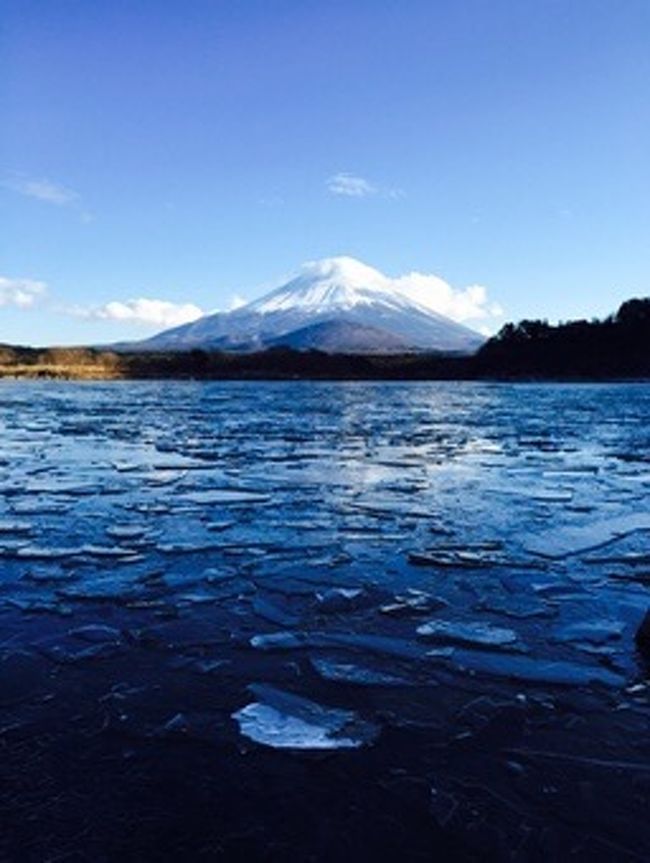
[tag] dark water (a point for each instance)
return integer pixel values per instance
(447, 576)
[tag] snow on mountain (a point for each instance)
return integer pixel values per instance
(334, 284)
(367, 307)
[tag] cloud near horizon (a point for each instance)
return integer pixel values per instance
(459, 304)
(144, 311)
(20, 293)
(147, 311)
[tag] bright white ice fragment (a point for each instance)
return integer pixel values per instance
(286, 721)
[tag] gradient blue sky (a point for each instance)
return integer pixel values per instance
(190, 152)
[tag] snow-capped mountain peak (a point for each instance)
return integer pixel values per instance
(340, 301)
(340, 283)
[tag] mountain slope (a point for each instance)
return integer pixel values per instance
(335, 290)
(337, 336)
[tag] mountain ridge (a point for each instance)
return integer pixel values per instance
(361, 301)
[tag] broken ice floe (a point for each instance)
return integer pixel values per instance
(481, 634)
(593, 632)
(96, 633)
(562, 542)
(531, 670)
(283, 720)
(19, 527)
(40, 606)
(274, 612)
(358, 675)
(380, 644)
(337, 600)
(519, 607)
(126, 531)
(227, 496)
(413, 601)
(70, 655)
(188, 547)
(35, 552)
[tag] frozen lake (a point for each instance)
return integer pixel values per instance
(324, 621)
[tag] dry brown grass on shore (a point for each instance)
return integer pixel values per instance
(61, 372)
(62, 363)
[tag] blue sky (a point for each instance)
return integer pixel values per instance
(188, 153)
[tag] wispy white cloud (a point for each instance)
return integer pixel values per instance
(21, 293)
(149, 312)
(48, 192)
(42, 190)
(349, 185)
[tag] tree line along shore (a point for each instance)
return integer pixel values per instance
(617, 347)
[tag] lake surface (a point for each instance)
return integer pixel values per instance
(313, 621)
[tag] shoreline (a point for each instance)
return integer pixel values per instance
(62, 374)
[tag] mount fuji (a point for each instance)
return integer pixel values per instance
(337, 305)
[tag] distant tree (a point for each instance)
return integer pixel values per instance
(635, 312)
(618, 346)
(198, 360)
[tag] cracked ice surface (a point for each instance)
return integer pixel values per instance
(461, 566)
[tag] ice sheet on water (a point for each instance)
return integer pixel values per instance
(358, 675)
(283, 720)
(517, 606)
(40, 605)
(354, 477)
(127, 466)
(274, 612)
(40, 507)
(49, 573)
(337, 600)
(218, 526)
(71, 654)
(413, 601)
(563, 542)
(592, 631)
(361, 642)
(39, 552)
(109, 551)
(533, 670)
(445, 558)
(15, 527)
(96, 633)
(10, 547)
(188, 547)
(126, 531)
(472, 633)
(227, 496)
